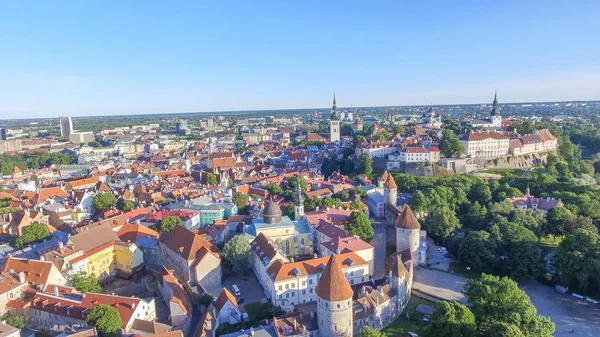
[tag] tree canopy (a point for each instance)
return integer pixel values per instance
(370, 332)
(450, 145)
(452, 319)
(32, 233)
(125, 205)
(102, 201)
(211, 179)
(85, 283)
(577, 261)
(237, 252)
(105, 319)
(168, 223)
(360, 225)
(499, 300)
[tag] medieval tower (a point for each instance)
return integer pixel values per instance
(408, 231)
(334, 301)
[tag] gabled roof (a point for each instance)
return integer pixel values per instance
(125, 305)
(36, 272)
(131, 232)
(94, 236)
(225, 297)
(187, 244)
(407, 219)
(333, 285)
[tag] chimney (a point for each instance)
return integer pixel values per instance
(61, 245)
(56, 291)
(42, 258)
(22, 277)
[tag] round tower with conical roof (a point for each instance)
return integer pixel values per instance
(390, 191)
(408, 232)
(334, 301)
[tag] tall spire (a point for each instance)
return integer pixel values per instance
(334, 115)
(299, 197)
(495, 104)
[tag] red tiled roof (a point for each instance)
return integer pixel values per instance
(333, 285)
(225, 297)
(407, 219)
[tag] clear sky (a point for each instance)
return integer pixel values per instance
(129, 57)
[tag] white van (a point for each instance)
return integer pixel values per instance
(236, 290)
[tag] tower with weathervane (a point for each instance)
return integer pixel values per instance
(299, 205)
(334, 123)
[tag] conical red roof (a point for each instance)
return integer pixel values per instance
(407, 219)
(333, 285)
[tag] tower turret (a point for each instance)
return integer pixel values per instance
(495, 113)
(390, 190)
(408, 231)
(334, 301)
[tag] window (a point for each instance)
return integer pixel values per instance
(338, 306)
(304, 283)
(310, 281)
(311, 290)
(280, 288)
(304, 292)
(287, 286)
(293, 294)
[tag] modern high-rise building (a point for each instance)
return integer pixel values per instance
(66, 126)
(3, 134)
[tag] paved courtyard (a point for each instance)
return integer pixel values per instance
(565, 311)
(251, 290)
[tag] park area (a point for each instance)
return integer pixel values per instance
(410, 320)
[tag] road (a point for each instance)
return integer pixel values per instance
(565, 311)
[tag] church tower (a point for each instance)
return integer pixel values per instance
(334, 301)
(408, 232)
(334, 123)
(299, 205)
(495, 113)
(400, 278)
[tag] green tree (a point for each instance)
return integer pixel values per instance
(168, 223)
(105, 319)
(481, 193)
(382, 136)
(357, 205)
(237, 252)
(495, 299)
(503, 329)
(125, 205)
(16, 321)
(102, 201)
(360, 225)
(452, 319)
(450, 145)
(241, 201)
(369, 332)
(419, 203)
(32, 233)
(524, 259)
(475, 217)
(398, 129)
(85, 283)
(273, 189)
(443, 223)
(577, 260)
(477, 251)
(211, 179)
(366, 164)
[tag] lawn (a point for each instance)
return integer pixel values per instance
(551, 241)
(403, 324)
(460, 269)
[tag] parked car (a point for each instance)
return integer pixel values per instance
(236, 290)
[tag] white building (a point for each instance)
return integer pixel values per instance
(485, 144)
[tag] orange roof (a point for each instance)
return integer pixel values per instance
(407, 219)
(283, 271)
(16, 169)
(131, 232)
(36, 272)
(390, 182)
(187, 244)
(333, 285)
(81, 183)
(125, 305)
(225, 297)
(49, 193)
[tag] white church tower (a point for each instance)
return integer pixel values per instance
(299, 205)
(495, 116)
(334, 123)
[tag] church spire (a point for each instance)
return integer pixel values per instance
(334, 114)
(495, 104)
(299, 197)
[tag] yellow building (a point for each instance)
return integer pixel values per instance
(293, 238)
(109, 259)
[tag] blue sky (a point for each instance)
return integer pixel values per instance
(129, 57)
